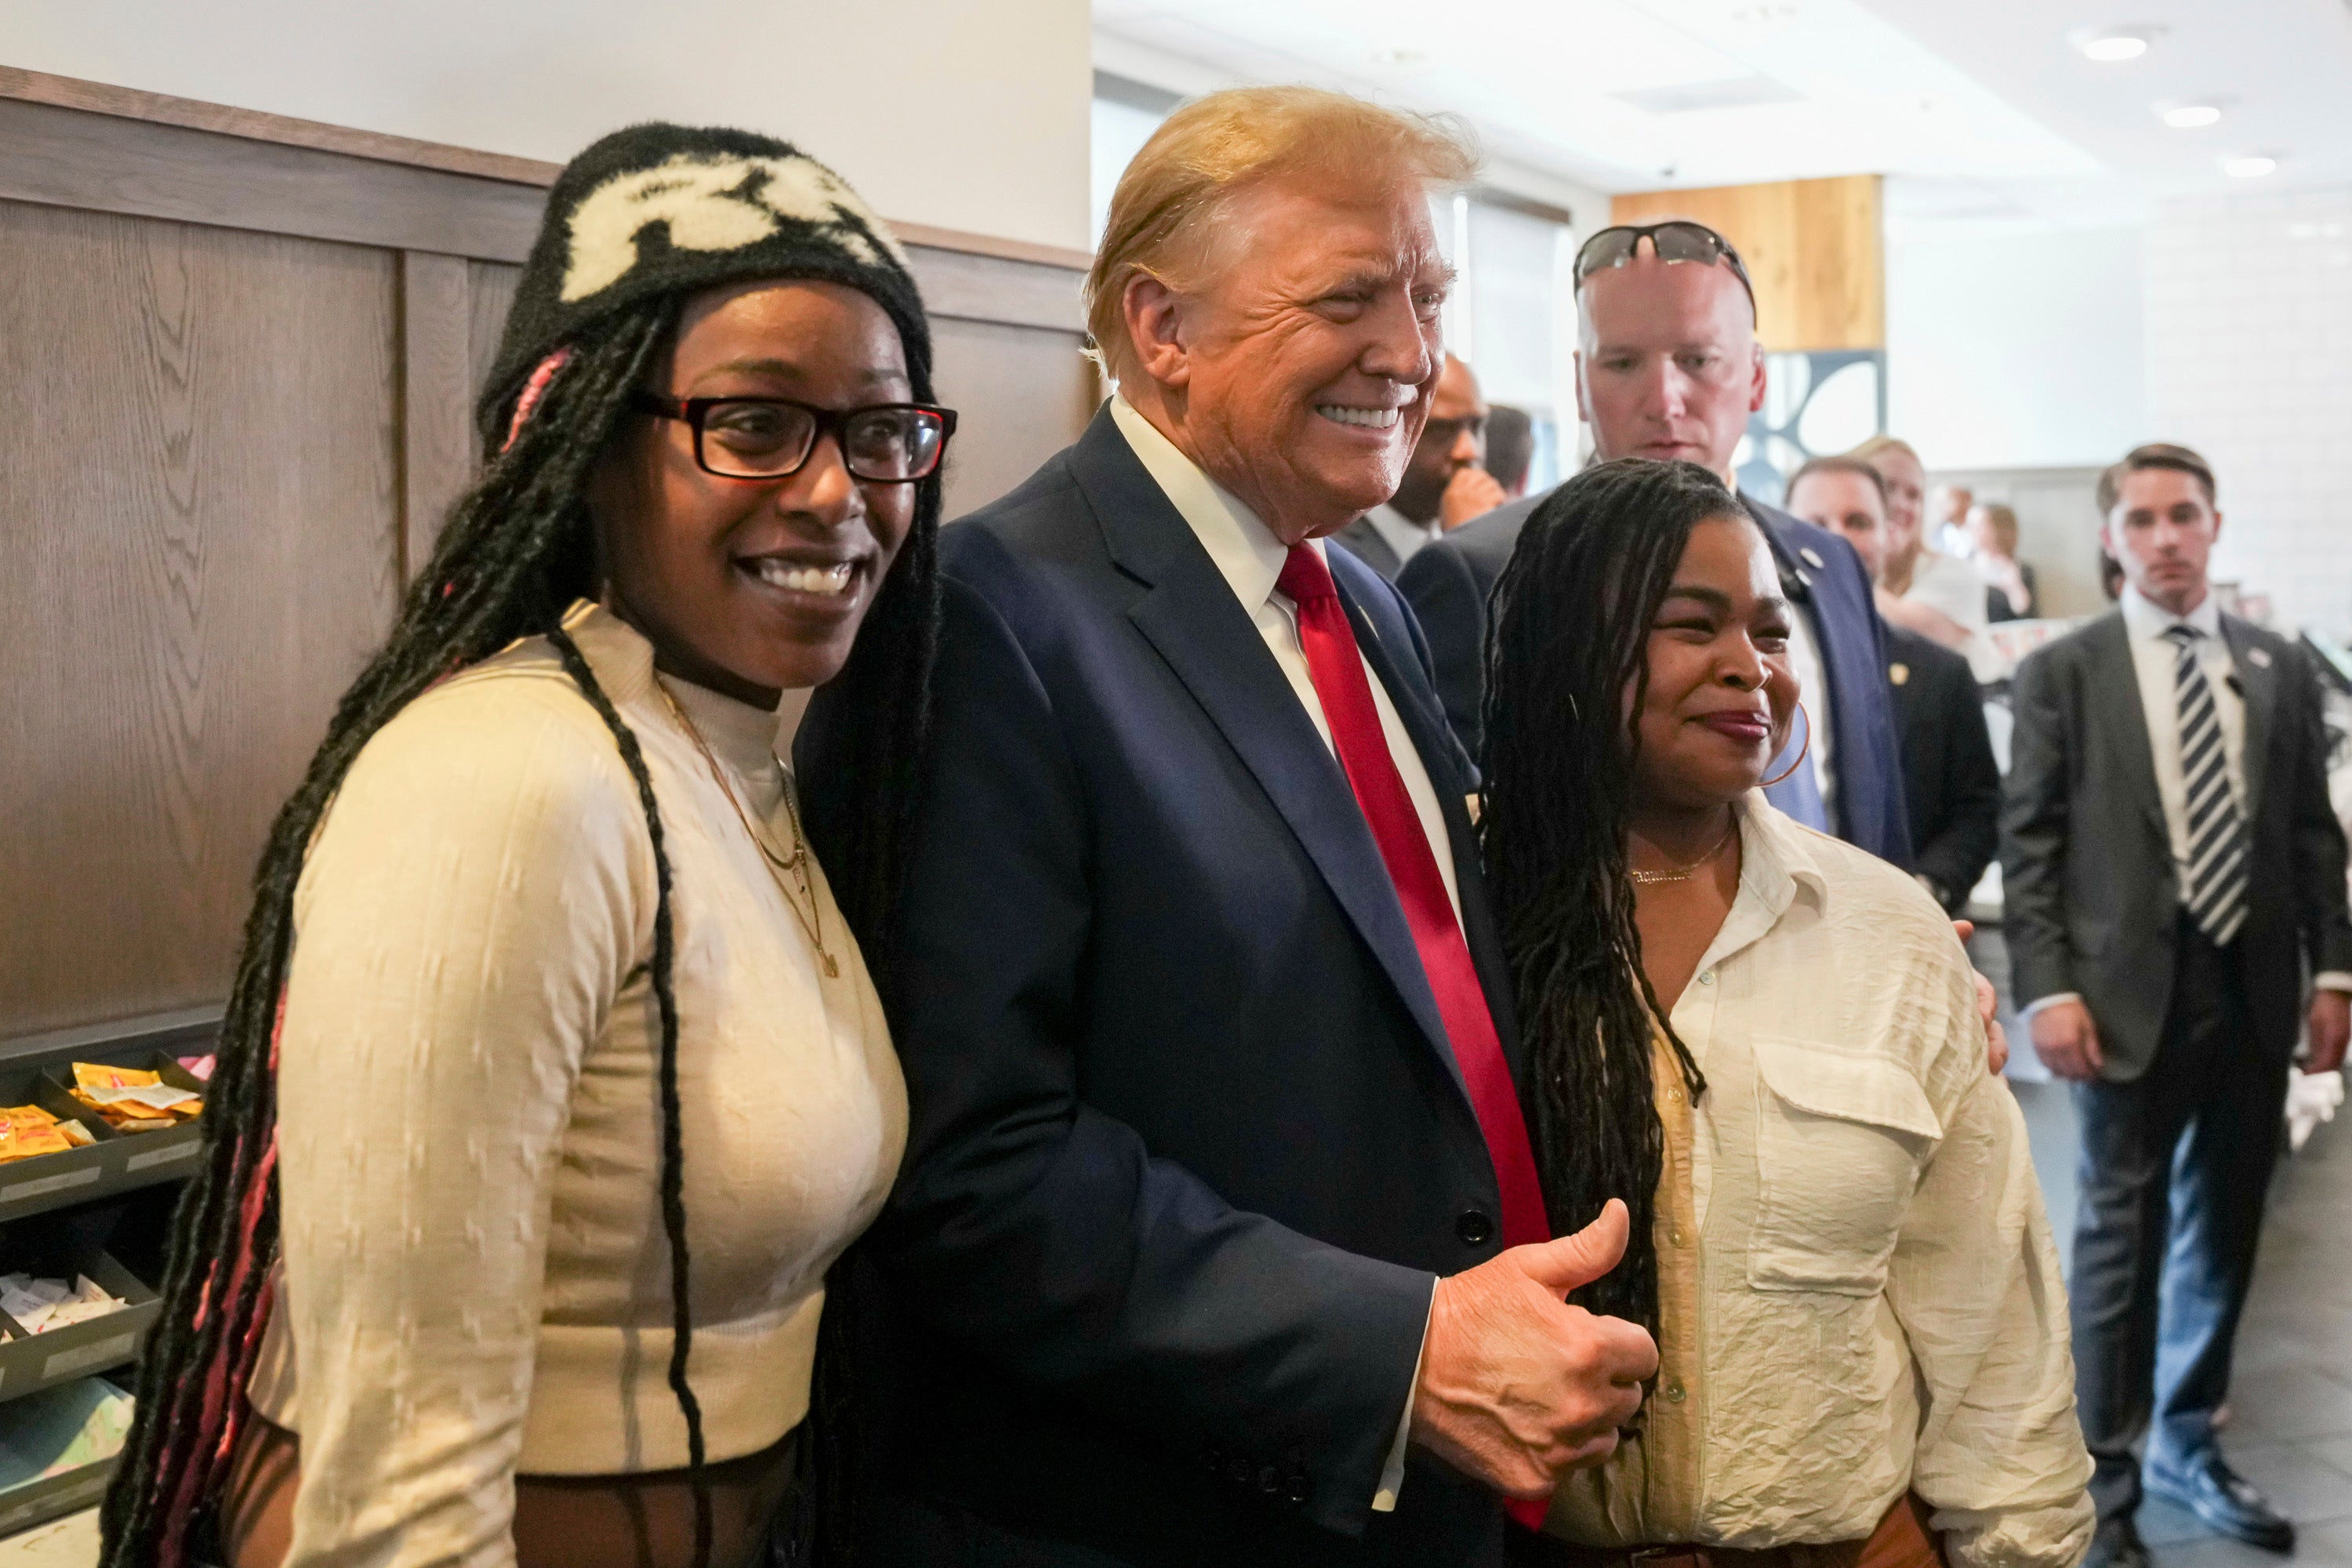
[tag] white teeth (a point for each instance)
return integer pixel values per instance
(827, 580)
(1371, 418)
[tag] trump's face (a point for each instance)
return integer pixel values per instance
(1302, 364)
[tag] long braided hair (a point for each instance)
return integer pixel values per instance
(517, 551)
(1566, 643)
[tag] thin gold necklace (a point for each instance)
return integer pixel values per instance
(796, 863)
(1684, 873)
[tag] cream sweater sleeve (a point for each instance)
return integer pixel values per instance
(481, 889)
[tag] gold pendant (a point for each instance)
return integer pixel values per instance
(831, 970)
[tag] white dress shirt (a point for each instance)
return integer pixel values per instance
(1813, 690)
(2155, 658)
(1879, 1306)
(1401, 533)
(1249, 557)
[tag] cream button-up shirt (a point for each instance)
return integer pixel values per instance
(1873, 1303)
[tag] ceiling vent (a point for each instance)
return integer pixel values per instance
(1725, 92)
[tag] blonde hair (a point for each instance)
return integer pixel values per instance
(1877, 447)
(1162, 214)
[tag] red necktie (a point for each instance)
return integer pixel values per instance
(1337, 667)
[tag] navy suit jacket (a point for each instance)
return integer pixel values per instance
(1447, 583)
(1188, 1143)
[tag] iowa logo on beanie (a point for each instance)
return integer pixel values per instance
(712, 203)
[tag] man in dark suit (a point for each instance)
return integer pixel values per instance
(1446, 483)
(1219, 1238)
(2170, 865)
(1951, 785)
(1669, 367)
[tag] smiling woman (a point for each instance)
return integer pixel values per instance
(1764, 1042)
(553, 1079)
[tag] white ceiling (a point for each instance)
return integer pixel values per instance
(1985, 110)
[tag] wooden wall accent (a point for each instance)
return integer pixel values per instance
(238, 356)
(1815, 250)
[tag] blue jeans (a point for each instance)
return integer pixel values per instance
(2174, 1167)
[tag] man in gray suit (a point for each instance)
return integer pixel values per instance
(2172, 865)
(1444, 484)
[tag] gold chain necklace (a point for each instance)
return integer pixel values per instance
(796, 863)
(1684, 873)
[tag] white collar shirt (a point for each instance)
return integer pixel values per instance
(2155, 660)
(1401, 534)
(1250, 558)
(1876, 1275)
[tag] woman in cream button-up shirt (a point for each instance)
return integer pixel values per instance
(1839, 1240)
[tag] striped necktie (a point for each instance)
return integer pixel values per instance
(2213, 888)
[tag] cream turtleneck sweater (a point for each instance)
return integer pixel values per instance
(476, 1277)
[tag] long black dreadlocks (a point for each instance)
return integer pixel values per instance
(1572, 614)
(517, 551)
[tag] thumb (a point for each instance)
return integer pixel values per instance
(2091, 1051)
(1562, 1264)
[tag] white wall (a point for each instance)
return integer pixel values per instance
(2012, 350)
(968, 114)
(2250, 361)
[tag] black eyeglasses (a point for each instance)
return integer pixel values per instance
(772, 438)
(1678, 239)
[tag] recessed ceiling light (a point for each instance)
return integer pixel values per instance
(2252, 168)
(1765, 16)
(2111, 46)
(2190, 116)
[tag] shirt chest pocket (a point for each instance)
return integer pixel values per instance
(1840, 1142)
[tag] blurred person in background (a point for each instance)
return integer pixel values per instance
(1952, 504)
(1935, 595)
(1444, 485)
(1951, 783)
(1668, 367)
(2009, 582)
(2171, 867)
(1510, 448)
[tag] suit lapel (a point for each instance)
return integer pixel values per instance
(2114, 671)
(1435, 743)
(2258, 683)
(1191, 617)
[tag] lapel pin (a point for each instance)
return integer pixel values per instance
(2259, 658)
(1811, 559)
(1898, 674)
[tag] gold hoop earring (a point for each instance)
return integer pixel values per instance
(1807, 746)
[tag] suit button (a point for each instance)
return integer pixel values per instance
(1473, 1227)
(1269, 1480)
(1239, 1471)
(1215, 1454)
(1297, 1488)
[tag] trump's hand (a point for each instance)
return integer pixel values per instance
(1517, 1386)
(2067, 1041)
(1471, 492)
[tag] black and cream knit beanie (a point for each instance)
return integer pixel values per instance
(663, 209)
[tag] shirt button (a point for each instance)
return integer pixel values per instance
(1473, 1227)
(1706, 977)
(1674, 1095)
(1674, 1234)
(1675, 1391)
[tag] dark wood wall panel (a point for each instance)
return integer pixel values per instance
(238, 356)
(199, 507)
(1021, 395)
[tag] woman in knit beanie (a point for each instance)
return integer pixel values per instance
(552, 1080)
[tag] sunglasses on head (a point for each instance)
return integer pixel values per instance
(1677, 239)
